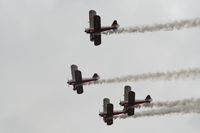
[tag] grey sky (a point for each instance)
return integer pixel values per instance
(40, 39)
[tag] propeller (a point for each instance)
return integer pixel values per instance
(67, 83)
(99, 115)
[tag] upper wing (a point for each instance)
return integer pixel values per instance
(92, 13)
(78, 77)
(127, 89)
(109, 109)
(106, 101)
(97, 26)
(73, 69)
(97, 39)
(131, 98)
(97, 23)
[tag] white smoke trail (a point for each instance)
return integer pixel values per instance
(175, 25)
(174, 103)
(170, 75)
(183, 107)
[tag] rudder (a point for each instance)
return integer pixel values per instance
(115, 24)
(148, 98)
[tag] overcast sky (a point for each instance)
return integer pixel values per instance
(40, 39)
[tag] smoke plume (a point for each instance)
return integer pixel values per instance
(175, 25)
(174, 103)
(170, 75)
(181, 107)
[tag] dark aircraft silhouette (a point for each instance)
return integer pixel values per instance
(130, 103)
(77, 80)
(108, 112)
(95, 28)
